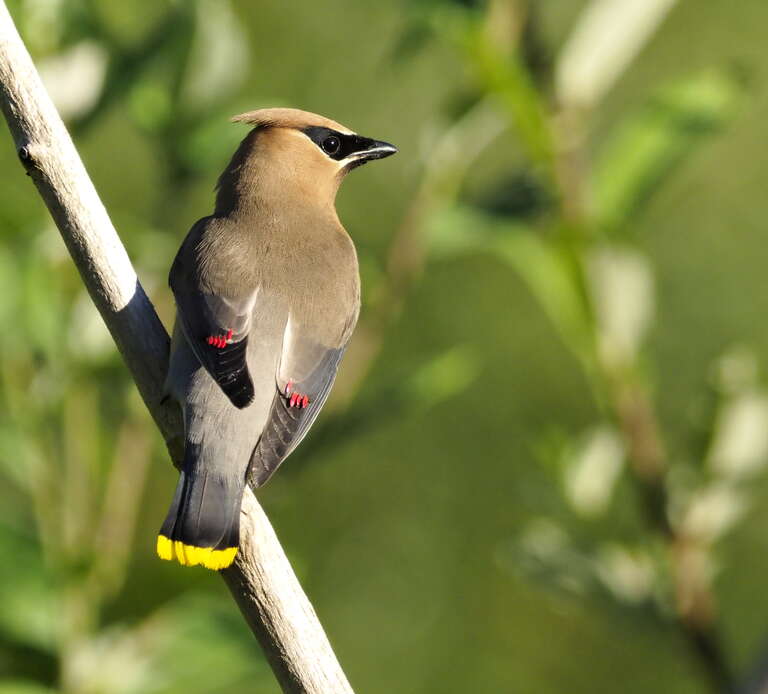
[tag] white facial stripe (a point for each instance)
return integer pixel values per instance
(365, 153)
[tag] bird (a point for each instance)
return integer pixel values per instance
(267, 293)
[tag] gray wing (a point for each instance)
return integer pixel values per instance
(310, 369)
(216, 329)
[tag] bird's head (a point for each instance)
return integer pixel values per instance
(304, 149)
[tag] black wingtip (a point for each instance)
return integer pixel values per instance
(242, 401)
(230, 370)
(240, 392)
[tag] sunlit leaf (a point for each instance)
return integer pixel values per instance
(150, 104)
(647, 147)
(607, 37)
(631, 575)
(549, 276)
(218, 62)
(74, 78)
(622, 290)
(443, 377)
(740, 444)
(592, 470)
(508, 79)
(452, 231)
(712, 511)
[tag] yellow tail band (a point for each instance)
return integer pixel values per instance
(189, 555)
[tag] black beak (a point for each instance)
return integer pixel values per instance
(367, 149)
(378, 150)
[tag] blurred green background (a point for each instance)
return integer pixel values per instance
(543, 467)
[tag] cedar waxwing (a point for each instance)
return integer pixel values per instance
(267, 293)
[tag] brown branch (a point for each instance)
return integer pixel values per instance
(695, 612)
(261, 581)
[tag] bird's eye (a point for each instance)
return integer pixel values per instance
(331, 144)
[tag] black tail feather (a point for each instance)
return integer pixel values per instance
(203, 522)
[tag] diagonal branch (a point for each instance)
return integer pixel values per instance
(261, 581)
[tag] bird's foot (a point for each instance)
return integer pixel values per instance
(295, 399)
(220, 340)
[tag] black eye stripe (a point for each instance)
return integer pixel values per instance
(348, 144)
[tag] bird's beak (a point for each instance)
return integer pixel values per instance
(368, 149)
(378, 150)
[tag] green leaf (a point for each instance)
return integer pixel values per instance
(509, 80)
(648, 146)
(452, 230)
(444, 376)
(546, 266)
(551, 277)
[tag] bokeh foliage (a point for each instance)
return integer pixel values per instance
(543, 466)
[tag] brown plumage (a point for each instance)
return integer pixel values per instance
(268, 293)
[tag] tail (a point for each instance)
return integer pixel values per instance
(203, 523)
